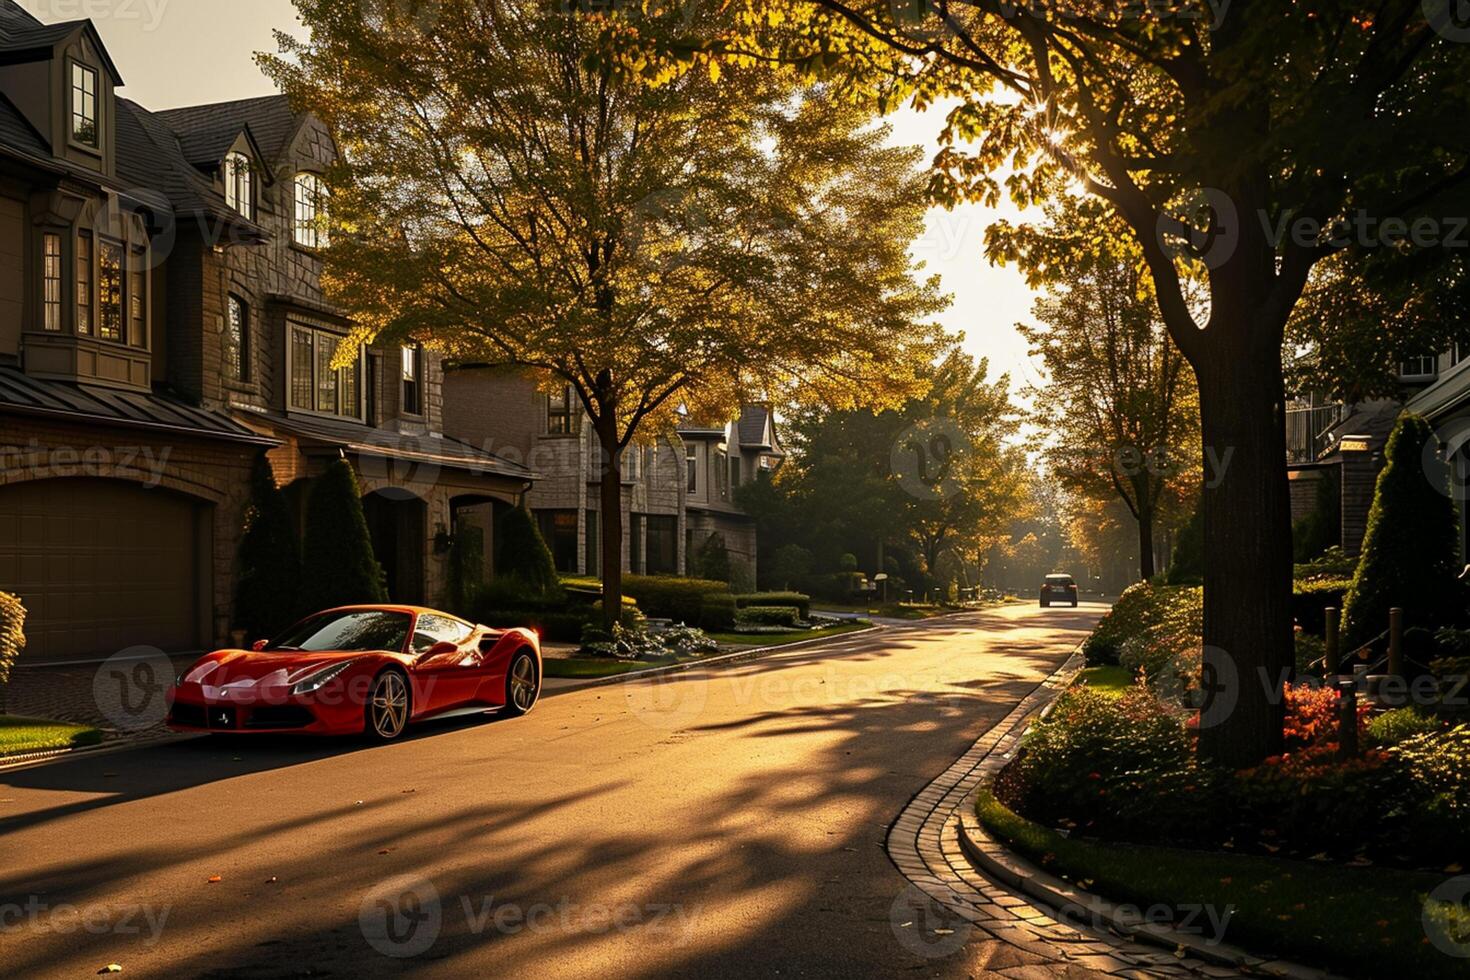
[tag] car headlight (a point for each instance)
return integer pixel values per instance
(319, 678)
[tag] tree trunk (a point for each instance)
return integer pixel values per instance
(611, 501)
(1145, 543)
(1247, 530)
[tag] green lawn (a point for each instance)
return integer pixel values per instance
(22, 735)
(1359, 921)
(781, 639)
(1106, 680)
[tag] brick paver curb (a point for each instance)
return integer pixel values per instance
(927, 844)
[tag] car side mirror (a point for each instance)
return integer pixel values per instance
(260, 645)
(441, 649)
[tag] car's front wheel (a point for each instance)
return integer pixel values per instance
(388, 706)
(522, 685)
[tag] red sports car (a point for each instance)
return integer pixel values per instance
(372, 669)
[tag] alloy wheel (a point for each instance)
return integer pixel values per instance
(388, 708)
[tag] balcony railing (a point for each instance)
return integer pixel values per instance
(1307, 430)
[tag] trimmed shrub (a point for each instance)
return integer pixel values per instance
(1145, 612)
(268, 559)
(1319, 530)
(787, 565)
(338, 566)
(713, 559)
(769, 616)
(1409, 553)
(800, 600)
(1311, 600)
(1440, 765)
(1332, 563)
(464, 577)
(667, 597)
(1113, 765)
(12, 638)
(522, 555)
(717, 612)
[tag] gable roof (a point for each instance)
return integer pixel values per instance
(23, 38)
(149, 155)
(206, 132)
(755, 428)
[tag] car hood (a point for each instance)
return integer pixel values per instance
(240, 671)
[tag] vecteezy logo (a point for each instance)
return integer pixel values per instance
(1449, 18)
(1206, 228)
(924, 926)
(131, 688)
(1446, 917)
(402, 917)
(928, 458)
(667, 702)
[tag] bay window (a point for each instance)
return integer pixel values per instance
(51, 282)
(84, 283)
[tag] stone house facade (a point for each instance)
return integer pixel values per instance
(678, 489)
(162, 323)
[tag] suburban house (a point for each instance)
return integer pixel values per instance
(1344, 443)
(678, 490)
(162, 323)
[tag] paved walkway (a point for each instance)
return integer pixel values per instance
(954, 900)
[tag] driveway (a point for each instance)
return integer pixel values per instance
(718, 822)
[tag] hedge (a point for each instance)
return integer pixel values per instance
(667, 597)
(800, 600)
(562, 625)
(769, 616)
(717, 614)
(1145, 612)
(1310, 600)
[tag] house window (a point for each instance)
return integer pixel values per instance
(239, 184)
(84, 105)
(51, 281)
(138, 299)
(316, 386)
(722, 473)
(559, 530)
(413, 369)
(310, 225)
(560, 412)
(735, 473)
(1423, 366)
(110, 291)
(691, 462)
(593, 552)
(662, 535)
(237, 340)
(84, 283)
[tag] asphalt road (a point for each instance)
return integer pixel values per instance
(724, 822)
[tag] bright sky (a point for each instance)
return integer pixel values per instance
(186, 52)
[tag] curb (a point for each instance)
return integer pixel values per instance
(34, 760)
(723, 658)
(996, 861)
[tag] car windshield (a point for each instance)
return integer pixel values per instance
(358, 630)
(1059, 580)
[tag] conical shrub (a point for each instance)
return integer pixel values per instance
(338, 566)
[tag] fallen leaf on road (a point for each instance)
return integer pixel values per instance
(111, 968)
(215, 879)
(944, 932)
(383, 851)
(271, 880)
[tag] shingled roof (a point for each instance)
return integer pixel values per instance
(14, 17)
(149, 155)
(206, 132)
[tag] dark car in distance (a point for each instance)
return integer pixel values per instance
(1058, 588)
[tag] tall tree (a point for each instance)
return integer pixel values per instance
(1246, 141)
(652, 246)
(1119, 404)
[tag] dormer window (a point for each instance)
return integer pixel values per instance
(240, 184)
(84, 128)
(311, 198)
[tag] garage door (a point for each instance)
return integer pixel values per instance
(101, 565)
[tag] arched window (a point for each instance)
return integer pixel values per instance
(240, 184)
(311, 211)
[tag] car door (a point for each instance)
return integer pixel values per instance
(447, 680)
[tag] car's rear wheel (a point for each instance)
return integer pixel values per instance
(522, 685)
(388, 706)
